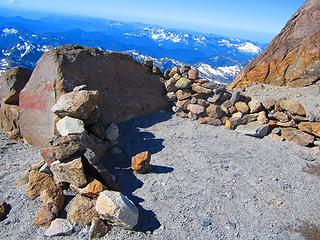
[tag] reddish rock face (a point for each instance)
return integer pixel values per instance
(293, 57)
(127, 89)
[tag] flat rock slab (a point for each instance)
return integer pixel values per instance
(206, 182)
(254, 129)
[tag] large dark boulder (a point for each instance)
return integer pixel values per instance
(293, 57)
(126, 88)
(12, 82)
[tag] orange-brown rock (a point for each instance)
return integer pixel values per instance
(39, 181)
(210, 121)
(183, 104)
(52, 200)
(242, 107)
(183, 95)
(292, 107)
(44, 217)
(293, 57)
(281, 116)
(232, 123)
(140, 163)
(82, 210)
(215, 111)
(127, 88)
(93, 189)
(9, 117)
(310, 127)
(274, 123)
(297, 136)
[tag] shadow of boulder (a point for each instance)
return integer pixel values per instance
(133, 140)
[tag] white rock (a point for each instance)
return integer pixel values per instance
(79, 88)
(45, 168)
(254, 129)
(112, 132)
(117, 209)
(68, 125)
(237, 115)
(59, 227)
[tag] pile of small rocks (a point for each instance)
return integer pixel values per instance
(211, 103)
(72, 164)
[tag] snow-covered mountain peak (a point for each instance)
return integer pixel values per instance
(250, 48)
(247, 47)
(220, 73)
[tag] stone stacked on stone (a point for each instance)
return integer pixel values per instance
(73, 161)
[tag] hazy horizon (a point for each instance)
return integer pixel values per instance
(259, 21)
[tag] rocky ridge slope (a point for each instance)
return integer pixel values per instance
(293, 57)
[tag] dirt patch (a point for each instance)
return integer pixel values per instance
(309, 231)
(313, 170)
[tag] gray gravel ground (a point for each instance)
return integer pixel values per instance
(309, 97)
(206, 183)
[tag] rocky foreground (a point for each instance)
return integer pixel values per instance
(229, 186)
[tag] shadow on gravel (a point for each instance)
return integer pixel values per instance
(133, 140)
(6, 211)
(308, 231)
(160, 169)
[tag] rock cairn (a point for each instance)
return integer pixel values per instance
(75, 136)
(211, 103)
(73, 164)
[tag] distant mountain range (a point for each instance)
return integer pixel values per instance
(23, 41)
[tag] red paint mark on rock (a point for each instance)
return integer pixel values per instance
(36, 100)
(33, 101)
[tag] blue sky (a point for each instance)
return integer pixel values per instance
(257, 20)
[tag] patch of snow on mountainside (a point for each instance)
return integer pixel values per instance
(247, 47)
(163, 63)
(3, 65)
(44, 48)
(5, 53)
(200, 40)
(26, 48)
(250, 48)
(225, 43)
(221, 73)
(8, 31)
(161, 34)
